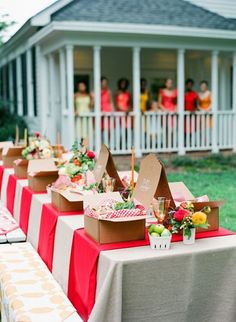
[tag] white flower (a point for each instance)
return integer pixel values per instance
(44, 144)
(46, 153)
(62, 171)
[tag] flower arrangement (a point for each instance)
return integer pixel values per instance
(186, 218)
(39, 148)
(79, 167)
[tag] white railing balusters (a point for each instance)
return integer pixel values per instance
(158, 131)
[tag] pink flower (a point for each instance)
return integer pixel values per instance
(37, 134)
(90, 154)
(181, 214)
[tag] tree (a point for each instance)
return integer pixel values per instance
(4, 24)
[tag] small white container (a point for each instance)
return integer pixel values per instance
(160, 243)
(191, 240)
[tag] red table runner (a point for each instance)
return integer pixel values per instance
(11, 190)
(26, 199)
(84, 260)
(1, 175)
(47, 232)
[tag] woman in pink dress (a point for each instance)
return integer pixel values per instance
(107, 105)
(123, 96)
(167, 100)
(106, 96)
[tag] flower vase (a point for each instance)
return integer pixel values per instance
(189, 240)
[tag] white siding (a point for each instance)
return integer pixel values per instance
(226, 8)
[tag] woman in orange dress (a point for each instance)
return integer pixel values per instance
(204, 101)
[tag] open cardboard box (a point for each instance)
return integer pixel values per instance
(65, 200)
(70, 201)
(20, 168)
(181, 193)
(41, 173)
(10, 154)
(126, 229)
(3, 145)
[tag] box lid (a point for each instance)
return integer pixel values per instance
(72, 196)
(98, 198)
(6, 144)
(42, 167)
(151, 182)
(104, 163)
(180, 192)
(12, 151)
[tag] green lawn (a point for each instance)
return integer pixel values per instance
(217, 185)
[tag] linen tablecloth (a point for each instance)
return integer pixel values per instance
(194, 283)
(7, 172)
(18, 194)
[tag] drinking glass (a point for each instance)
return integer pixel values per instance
(160, 208)
(108, 184)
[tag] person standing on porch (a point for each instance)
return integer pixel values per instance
(106, 97)
(82, 98)
(144, 96)
(190, 105)
(123, 96)
(167, 100)
(191, 97)
(204, 97)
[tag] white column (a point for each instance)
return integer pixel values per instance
(11, 91)
(136, 100)
(180, 103)
(222, 84)
(214, 84)
(62, 80)
(42, 89)
(19, 87)
(97, 95)
(234, 99)
(70, 93)
(30, 97)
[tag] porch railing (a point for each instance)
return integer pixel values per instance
(158, 131)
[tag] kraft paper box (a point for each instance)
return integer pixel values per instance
(66, 200)
(10, 154)
(41, 173)
(105, 231)
(55, 150)
(182, 193)
(20, 168)
(4, 145)
(129, 228)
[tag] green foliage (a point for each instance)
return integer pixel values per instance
(5, 23)
(8, 122)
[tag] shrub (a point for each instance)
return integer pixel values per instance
(8, 122)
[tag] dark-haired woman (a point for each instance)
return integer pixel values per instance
(123, 96)
(106, 96)
(167, 100)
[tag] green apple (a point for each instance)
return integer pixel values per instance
(155, 234)
(158, 229)
(151, 228)
(165, 233)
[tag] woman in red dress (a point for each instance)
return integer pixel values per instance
(123, 96)
(190, 104)
(167, 100)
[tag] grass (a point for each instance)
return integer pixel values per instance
(217, 185)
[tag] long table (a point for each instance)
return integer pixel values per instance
(186, 283)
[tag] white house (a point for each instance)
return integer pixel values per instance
(154, 39)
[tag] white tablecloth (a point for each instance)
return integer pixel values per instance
(62, 247)
(5, 179)
(35, 217)
(186, 284)
(17, 202)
